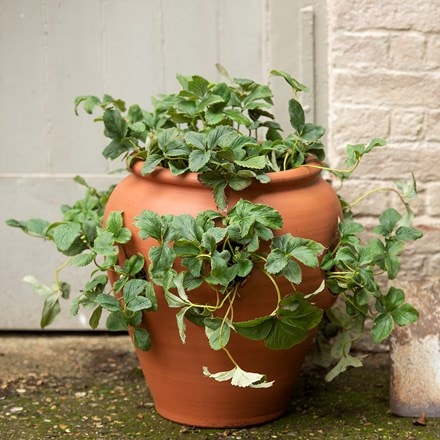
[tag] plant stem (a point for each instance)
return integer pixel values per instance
(57, 271)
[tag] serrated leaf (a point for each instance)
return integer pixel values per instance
(115, 125)
(114, 221)
(240, 378)
(388, 221)
(218, 332)
(405, 314)
(104, 243)
(255, 329)
(89, 103)
(40, 288)
(296, 85)
(95, 317)
(180, 318)
(255, 162)
(198, 159)
(108, 302)
(133, 288)
(276, 261)
(51, 309)
(116, 322)
(151, 162)
(139, 303)
(82, 260)
(406, 233)
(296, 115)
(343, 364)
(141, 339)
(196, 140)
(237, 117)
(382, 327)
(150, 224)
(65, 235)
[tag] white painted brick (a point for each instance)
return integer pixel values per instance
(397, 162)
(407, 51)
(360, 50)
(434, 263)
(433, 196)
(358, 124)
(432, 59)
(433, 125)
(421, 15)
(387, 88)
(407, 125)
(372, 205)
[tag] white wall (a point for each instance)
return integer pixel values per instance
(54, 50)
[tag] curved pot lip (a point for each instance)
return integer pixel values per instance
(191, 179)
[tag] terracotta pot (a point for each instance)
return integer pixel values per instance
(173, 371)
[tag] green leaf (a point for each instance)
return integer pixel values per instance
(276, 261)
(51, 309)
(89, 103)
(295, 318)
(296, 86)
(40, 288)
(198, 85)
(393, 299)
(405, 314)
(343, 364)
(198, 159)
(237, 117)
(382, 327)
(218, 332)
(151, 225)
(180, 317)
(162, 258)
(142, 339)
(133, 288)
(196, 140)
(34, 226)
(116, 322)
(296, 114)
(115, 125)
(312, 132)
(114, 222)
(255, 162)
(132, 266)
(255, 329)
(388, 221)
(82, 260)
(95, 317)
(406, 233)
(139, 303)
(150, 164)
(114, 149)
(104, 243)
(108, 302)
(65, 235)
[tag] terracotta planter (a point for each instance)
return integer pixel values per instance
(173, 371)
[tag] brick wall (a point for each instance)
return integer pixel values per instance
(384, 81)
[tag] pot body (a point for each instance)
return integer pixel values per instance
(173, 371)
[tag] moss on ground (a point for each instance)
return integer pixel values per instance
(109, 400)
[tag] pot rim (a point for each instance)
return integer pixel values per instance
(300, 173)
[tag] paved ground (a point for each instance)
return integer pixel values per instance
(90, 386)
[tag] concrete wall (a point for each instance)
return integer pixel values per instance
(54, 50)
(384, 81)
